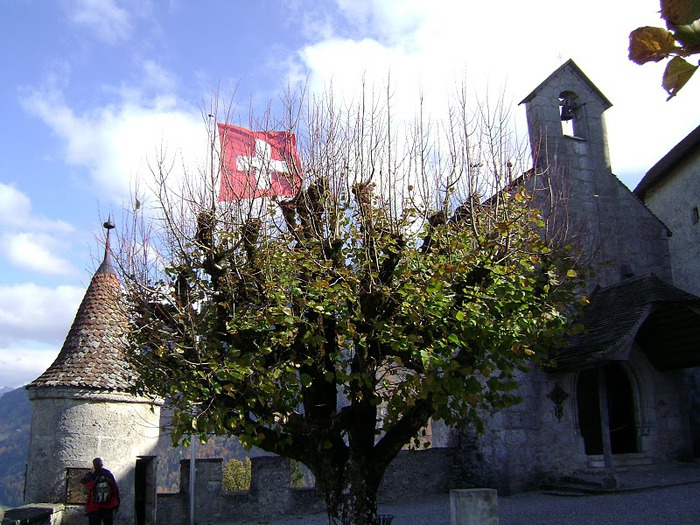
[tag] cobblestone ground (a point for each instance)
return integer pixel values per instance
(679, 505)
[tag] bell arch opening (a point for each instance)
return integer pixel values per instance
(570, 112)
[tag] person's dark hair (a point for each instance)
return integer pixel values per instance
(97, 463)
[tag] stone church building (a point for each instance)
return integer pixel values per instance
(616, 397)
(671, 190)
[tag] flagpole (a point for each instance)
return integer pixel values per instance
(193, 475)
(212, 123)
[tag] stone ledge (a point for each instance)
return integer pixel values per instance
(33, 514)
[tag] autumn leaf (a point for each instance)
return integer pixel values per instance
(650, 44)
(680, 12)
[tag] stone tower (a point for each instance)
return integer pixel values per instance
(570, 152)
(83, 408)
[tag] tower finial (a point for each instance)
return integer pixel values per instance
(106, 266)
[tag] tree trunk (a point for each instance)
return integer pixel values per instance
(351, 493)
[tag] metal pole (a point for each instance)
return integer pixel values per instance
(193, 476)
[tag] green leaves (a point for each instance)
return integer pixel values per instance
(677, 73)
(236, 475)
(688, 35)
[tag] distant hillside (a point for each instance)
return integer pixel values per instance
(15, 422)
(5, 390)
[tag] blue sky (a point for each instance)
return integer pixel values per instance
(89, 89)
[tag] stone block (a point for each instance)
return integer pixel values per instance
(270, 474)
(47, 514)
(474, 507)
(433, 467)
(516, 437)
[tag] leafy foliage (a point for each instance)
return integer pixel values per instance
(679, 40)
(299, 477)
(331, 327)
(236, 475)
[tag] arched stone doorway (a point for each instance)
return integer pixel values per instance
(621, 410)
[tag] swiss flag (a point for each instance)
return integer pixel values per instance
(257, 163)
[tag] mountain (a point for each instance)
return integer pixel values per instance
(5, 390)
(15, 421)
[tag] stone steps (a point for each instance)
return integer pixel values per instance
(583, 484)
(621, 461)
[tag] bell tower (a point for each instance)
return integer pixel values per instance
(565, 118)
(571, 167)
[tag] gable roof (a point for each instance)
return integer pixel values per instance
(663, 319)
(669, 161)
(93, 355)
(569, 64)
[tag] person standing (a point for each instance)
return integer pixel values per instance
(102, 494)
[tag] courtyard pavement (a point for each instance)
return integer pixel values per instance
(668, 496)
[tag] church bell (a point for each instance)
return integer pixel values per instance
(568, 110)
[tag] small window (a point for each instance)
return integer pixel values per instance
(694, 215)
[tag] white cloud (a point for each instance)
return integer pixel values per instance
(15, 206)
(430, 48)
(506, 49)
(120, 143)
(34, 322)
(19, 365)
(157, 77)
(29, 241)
(36, 252)
(32, 313)
(16, 211)
(104, 18)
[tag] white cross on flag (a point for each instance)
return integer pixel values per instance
(257, 163)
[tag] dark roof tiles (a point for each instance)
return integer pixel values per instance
(616, 314)
(93, 355)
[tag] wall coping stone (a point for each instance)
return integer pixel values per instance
(32, 514)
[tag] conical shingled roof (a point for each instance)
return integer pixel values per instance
(93, 355)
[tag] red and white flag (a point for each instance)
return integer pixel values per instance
(257, 163)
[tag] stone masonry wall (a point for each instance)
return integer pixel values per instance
(673, 199)
(526, 444)
(412, 474)
(70, 429)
